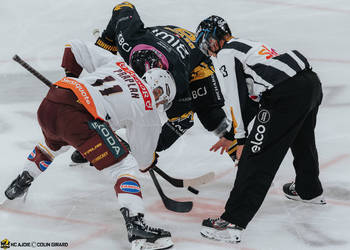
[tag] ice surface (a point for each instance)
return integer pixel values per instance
(78, 205)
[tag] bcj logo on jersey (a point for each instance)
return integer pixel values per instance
(199, 92)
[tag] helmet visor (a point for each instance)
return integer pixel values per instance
(207, 42)
(204, 47)
(202, 41)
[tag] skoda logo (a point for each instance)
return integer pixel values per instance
(264, 116)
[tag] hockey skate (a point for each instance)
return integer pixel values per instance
(77, 159)
(290, 192)
(19, 186)
(144, 237)
(221, 230)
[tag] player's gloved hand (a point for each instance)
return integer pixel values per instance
(106, 43)
(154, 163)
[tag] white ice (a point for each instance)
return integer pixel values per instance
(78, 205)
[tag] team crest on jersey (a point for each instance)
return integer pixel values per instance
(130, 187)
(43, 165)
(32, 155)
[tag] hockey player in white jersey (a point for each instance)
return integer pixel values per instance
(84, 112)
(289, 94)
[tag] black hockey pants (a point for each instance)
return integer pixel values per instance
(286, 119)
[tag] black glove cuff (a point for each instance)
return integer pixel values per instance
(107, 45)
(154, 163)
(241, 141)
(229, 136)
(223, 128)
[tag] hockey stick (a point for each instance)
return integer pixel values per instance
(172, 205)
(186, 182)
(180, 183)
(32, 70)
(169, 204)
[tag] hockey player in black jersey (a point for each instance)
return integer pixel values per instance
(172, 48)
(289, 93)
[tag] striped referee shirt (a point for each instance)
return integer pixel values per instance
(257, 66)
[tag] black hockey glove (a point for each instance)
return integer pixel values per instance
(173, 129)
(106, 43)
(154, 163)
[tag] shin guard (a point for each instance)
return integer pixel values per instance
(128, 191)
(40, 158)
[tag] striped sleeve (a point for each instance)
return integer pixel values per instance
(229, 86)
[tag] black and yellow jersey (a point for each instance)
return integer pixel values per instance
(197, 86)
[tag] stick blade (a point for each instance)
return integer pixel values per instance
(178, 206)
(170, 204)
(201, 180)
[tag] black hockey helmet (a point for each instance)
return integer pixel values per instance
(213, 27)
(144, 57)
(143, 60)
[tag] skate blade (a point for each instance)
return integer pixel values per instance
(19, 200)
(162, 243)
(79, 165)
(317, 201)
(24, 199)
(4, 201)
(210, 234)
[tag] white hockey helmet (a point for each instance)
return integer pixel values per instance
(163, 81)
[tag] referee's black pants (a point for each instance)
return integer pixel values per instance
(286, 119)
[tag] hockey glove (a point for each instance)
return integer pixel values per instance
(105, 43)
(154, 163)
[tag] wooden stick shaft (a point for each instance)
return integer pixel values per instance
(25, 65)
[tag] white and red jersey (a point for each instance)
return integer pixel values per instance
(111, 91)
